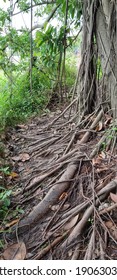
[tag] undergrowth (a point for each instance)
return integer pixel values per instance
(17, 103)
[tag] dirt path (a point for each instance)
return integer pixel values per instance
(40, 152)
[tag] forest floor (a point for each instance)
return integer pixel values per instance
(64, 178)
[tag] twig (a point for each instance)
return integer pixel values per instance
(41, 253)
(108, 209)
(62, 113)
(76, 252)
(90, 249)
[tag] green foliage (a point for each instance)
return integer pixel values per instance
(5, 170)
(21, 104)
(4, 16)
(19, 45)
(99, 69)
(5, 201)
(71, 68)
(49, 43)
(23, 5)
(16, 102)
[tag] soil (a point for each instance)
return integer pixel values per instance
(35, 149)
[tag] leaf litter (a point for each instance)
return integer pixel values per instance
(65, 173)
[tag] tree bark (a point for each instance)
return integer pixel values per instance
(99, 41)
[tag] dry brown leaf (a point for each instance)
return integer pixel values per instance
(99, 170)
(108, 120)
(24, 157)
(16, 251)
(12, 223)
(100, 126)
(102, 155)
(96, 161)
(70, 253)
(113, 197)
(22, 126)
(66, 206)
(55, 207)
(16, 158)
(62, 196)
(13, 175)
(113, 231)
(112, 228)
(109, 224)
(72, 223)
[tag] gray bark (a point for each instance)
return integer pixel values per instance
(99, 41)
(107, 50)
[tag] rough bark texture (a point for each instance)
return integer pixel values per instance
(99, 42)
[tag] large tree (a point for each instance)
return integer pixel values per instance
(96, 84)
(99, 54)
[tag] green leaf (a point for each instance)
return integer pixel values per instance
(6, 202)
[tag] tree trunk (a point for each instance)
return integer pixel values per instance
(99, 42)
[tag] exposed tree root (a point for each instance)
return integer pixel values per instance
(69, 181)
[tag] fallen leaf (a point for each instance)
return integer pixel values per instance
(21, 157)
(63, 195)
(103, 155)
(72, 223)
(99, 170)
(100, 126)
(70, 252)
(24, 157)
(113, 197)
(16, 158)
(96, 161)
(12, 223)
(112, 228)
(55, 207)
(66, 206)
(108, 120)
(13, 175)
(16, 251)
(22, 126)
(109, 224)
(113, 231)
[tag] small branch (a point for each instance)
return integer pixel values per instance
(47, 20)
(89, 251)
(79, 227)
(41, 254)
(108, 209)
(39, 4)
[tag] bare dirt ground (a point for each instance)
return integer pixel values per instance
(64, 178)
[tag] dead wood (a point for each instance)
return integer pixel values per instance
(97, 148)
(39, 179)
(60, 115)
(68, 216)
(79, 227)
(70, 143)
(76, 252)
(90, 249)
(108, 209)
(44, 251)
(102, 253)
(52, 196)
(54, 193)
(93, 125)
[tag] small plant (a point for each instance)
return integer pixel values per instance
(103, 146)
(17, 212)
(5, 170)
(4, 201)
